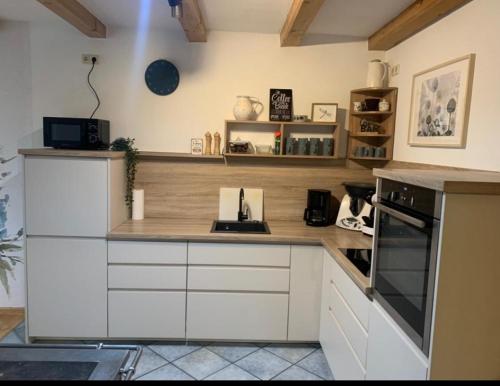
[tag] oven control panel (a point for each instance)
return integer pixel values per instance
(414, 198)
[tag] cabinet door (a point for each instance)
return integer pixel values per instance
(306, 271)
(66, 197)
(391, 354)
(67, 288)
(147, 314)
(237, 316)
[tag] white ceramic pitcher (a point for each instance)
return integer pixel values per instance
(377, 74)
(246, 109)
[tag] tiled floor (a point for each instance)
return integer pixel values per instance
(225, 361)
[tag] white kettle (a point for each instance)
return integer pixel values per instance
(377, 74)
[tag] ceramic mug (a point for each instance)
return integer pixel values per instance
(358, 106)
(314, 146)
(290, 146)
(302, 146)
(384, 105)
(328, 146)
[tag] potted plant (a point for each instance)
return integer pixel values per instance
(132, 159)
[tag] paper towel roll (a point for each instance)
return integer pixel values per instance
(138, 204)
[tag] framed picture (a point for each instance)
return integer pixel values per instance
(440, 104)
(196, 146)
(324, 112)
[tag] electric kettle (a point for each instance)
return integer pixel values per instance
(377, 74)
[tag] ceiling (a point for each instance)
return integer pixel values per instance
(355, 18)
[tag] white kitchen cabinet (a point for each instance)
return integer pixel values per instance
(339, 352)
(67, 287)
(237, 316)
(306, 272)
(391, 354)
(147, 252)
(257, 255)
(342, 334)
(147, 277)
(147, 314)
(80, 197)
(354, 297)
(239, 279)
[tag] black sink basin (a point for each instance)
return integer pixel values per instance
(240, 227)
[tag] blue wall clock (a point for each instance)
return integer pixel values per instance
(162, 77)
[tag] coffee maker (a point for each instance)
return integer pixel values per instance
(356, 211)
(319, 208)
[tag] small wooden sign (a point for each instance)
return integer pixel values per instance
(281, 105)
(196, 146)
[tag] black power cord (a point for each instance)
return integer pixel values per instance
(94, 60)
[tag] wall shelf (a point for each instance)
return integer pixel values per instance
(183, 156)
(385, 119)
(254, 131)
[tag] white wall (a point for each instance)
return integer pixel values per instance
(212, 75)
(15, 130)
(475, 28)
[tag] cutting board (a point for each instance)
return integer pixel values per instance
(229, 204)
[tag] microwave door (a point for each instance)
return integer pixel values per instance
(405, 263)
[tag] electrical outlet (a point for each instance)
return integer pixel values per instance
(395, 70)
(87, 58)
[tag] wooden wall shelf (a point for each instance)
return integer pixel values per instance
(385, 119)
(288, 130)
(184, 156)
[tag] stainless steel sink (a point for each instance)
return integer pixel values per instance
(240, 227)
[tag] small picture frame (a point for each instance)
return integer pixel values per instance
(324, 112)
(196, 146)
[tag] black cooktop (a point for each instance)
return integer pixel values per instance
(361, 258)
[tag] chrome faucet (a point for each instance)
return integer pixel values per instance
(242, 216)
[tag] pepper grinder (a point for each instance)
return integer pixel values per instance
(216, 144)
(208, 144)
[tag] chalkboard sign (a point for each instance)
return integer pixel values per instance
(281, 105)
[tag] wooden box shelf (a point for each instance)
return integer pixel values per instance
(385, 120)
(250, 130)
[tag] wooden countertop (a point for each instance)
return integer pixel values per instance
(448, 181)
(296, 233)
(48, 152)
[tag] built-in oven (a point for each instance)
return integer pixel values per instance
(405, 255)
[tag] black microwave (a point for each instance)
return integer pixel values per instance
(75, 133)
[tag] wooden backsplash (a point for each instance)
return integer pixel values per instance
(190, 190)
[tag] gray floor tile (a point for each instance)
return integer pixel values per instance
(201, 363)
(174, 351)
(261, 344)
(316, 363)
(263, 364)
(20, 330)
(166, 373)
(12, 338)
(149, 361)
(232, 351)
(232, 373)
(296, 373)
(291, 352)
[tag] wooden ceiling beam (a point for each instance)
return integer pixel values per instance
(300, 17)
(419, 15)
(78, 16)
(192, 22)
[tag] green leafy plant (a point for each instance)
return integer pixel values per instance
(8, 258)
(132, 159)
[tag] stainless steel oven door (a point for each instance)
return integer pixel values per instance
(405, 251)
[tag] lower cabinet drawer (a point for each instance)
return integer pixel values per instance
(352, 328)
(258, 255)
(146, 277)
(146, 314)
(354, 297)
(237, 316)
(239, 279)
(338, 351)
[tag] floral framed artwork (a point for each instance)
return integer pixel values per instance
(440, 104)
